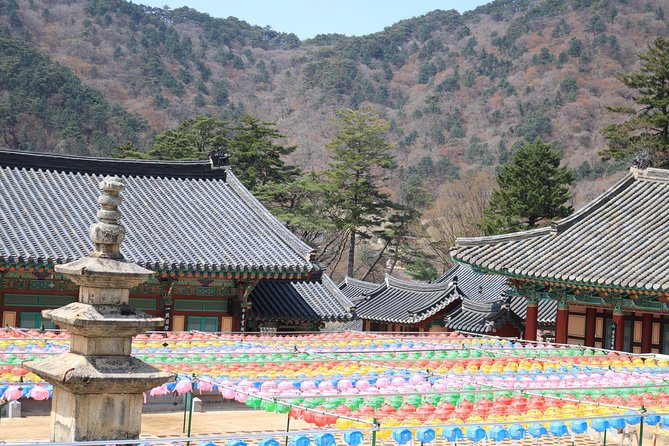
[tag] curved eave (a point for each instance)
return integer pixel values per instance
(181, 271)
(597, 283)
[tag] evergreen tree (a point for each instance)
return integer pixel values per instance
(299, 203)
(254, 156)
(360, 158)
(648, 127)
(420, 268)
(193, 139)
(533, 188)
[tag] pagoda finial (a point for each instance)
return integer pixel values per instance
(108, 233)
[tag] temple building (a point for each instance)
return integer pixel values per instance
(488, 306)
(460, 300)
(209, 241)
(400, 306)
(606, 267)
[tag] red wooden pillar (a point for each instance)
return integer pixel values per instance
(646, 332)
(590, 323)
(562, 323)
(619, 320)
(531, 320)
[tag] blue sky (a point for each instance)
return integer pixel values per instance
(306, 18)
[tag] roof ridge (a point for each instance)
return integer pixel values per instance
(650, 173)
(415, 285)
(279, 229)
(107, 166)
(598, 202)
(360, 283)
(537, 232)
(344, 301)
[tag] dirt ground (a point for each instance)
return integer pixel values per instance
(162, 425)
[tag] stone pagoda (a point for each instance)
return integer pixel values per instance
(97, 386)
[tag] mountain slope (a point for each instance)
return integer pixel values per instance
(462, 87)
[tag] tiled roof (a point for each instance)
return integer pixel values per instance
(354, 288)
(481, 317)
(178, 216)
(619, 240)
(482, 309)
(547, 310)
(405, 302)
(475, 285)
(314, 300)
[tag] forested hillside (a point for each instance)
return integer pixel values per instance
(459, 90)
(465, 87)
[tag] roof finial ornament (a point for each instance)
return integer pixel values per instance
(219, 159)
(108, 233)
(643, 159)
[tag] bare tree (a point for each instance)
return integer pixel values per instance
(455, 214)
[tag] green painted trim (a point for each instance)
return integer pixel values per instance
(36, 300)
(213, 306)
(143, 303)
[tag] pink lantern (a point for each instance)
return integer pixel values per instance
(362, 384)
(39, 393)
(398, 382)
(12, 393)
(204, 386)
(159, 391)
(184, 386)
(228, 394)
(325, 385)
(284, 386)
(268, 385)
(382, 382)
(416, 379)
(344, 384)
(307, 385)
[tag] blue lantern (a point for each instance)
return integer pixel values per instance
(579, 426)
(268, 442)
(354, 438)
(600, 424)
(426, 434)
(537, 430)
(476, 433)
(498, 433)
(324, 440)
(558, 428)
(300, 440)
(633, 419)
(652, 420)
(204, 443)
(516, 432)
(452, 434)
(617, 423)
(402, 436)
(236, 443)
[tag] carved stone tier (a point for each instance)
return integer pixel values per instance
(97, 385)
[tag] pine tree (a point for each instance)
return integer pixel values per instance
(255, 157)
(360, 158)
(646, 128)
(533, 188)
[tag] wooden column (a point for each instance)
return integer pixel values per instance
(619, 320)
(531, 320)
(590, 324)
(646, 332)
(562, 323)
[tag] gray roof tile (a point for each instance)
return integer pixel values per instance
(180, 215)
(317, 300)
(620, 239)
(403, 302)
